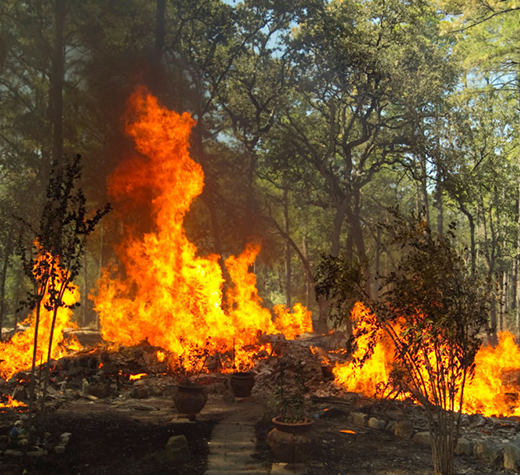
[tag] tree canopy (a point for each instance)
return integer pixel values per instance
(312, 118)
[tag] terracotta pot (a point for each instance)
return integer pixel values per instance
(242, 384)
(291, 443)
(190, 400)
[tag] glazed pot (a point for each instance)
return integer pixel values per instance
(291, 442)
(190, 400)
(242, 383)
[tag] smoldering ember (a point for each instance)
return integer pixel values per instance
(259, 237)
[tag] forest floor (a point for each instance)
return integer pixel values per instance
(108, 438)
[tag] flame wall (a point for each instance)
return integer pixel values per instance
(169, 294)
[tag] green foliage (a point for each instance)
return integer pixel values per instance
(55, 257)
(62, 231)
(290, 401)
(434, 310)
(340, 281)
(328, 111)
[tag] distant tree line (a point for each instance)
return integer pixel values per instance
(313, 117)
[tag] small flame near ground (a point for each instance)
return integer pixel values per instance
(373, 374)
(169, 295)
(17, 353)
(12, 403)
(135, 377)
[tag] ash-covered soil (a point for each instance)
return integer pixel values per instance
(128, 438)
(108, 440)
(365, 451)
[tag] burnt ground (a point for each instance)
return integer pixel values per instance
(106, 440)
(368, 451)
(129, 439)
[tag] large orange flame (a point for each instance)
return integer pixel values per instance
(17, 353)
(494, 389)
(169, 295)
(371, 377)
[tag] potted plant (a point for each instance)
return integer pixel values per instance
(242, 380)
(190, 397)
(290, 440)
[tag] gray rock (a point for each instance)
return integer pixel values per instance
(359, 418)
(512, 455)
(140, 392)
(476, 420)
(100, 390)
(155, 391)
(59, 449)
(396, 415)
(391, 426)
(37, 453)
(177, 449)
(403, 429)
(423, 438)
(375, 423)
(464, 446)
(488, 451)
(13, 453)
(218, 388)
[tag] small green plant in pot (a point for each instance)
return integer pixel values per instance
(289, 440)
(291, 404)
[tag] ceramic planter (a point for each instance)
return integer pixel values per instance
(291, 442)
(242, 384)
(190, 400)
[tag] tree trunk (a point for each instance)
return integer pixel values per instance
(84, 294)
(339, 219)
(3, 275)
(156, 72)
(208, 195)
(473, 247)
(440, 207)
(377, 268)
(160, 29)
(357, 234)
(518, 229)
(323, 304)
(425, 200)
(308, 278)
(250, 218)
(288, 268)
(56, 85)
(17, 296)
(357, 231)
(503, 301)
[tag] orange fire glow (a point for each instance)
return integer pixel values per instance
(12, 403)
(17, 353)
(369, 378)
(494, 390)
(170, 295)
(135, 377)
